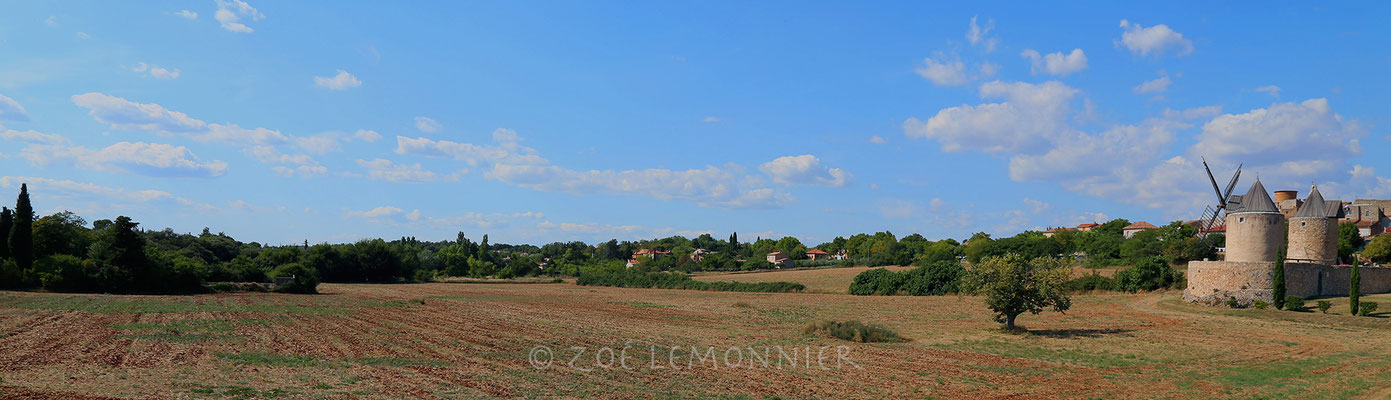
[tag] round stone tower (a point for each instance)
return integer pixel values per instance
(1314, 231)
(1255, 227)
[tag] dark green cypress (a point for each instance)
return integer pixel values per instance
(6, 220)
(1280, 279)
(1355, 287)
(22, 232)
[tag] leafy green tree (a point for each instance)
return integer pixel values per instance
(1013, 285)
(1379, 249)
(1280, 278)
(306, 279)
(1355, 287)
(976, 247)
(22, 232)
(1150, 273)
(6, 221)
(1349, 240)
(61, 233)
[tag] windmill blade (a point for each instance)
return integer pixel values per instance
(1220, 199)
(1232, 185)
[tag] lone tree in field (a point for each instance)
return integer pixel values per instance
(1280, 279)
(1013, 285)
(1355, 287)
(22, 232)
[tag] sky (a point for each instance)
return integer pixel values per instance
(533, 122)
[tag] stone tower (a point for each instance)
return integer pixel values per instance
(1255, 227)
(1314, 231)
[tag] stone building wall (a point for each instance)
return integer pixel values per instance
(1213, 282)
(1309, 280)
(1254, 237)
(1313, 240)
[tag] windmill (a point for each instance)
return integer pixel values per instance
(1213, 214)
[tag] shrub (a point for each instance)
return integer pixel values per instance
(1294, 303)
(934, 279)
(1260, 304)
(306, 279)
(854, 331)
(875, 281)
(1232, 303)
(1093, 282)
(1324, 305)
(65, 273)
(675, 280)
(424, 275)
(1150, 273)
(1366, 308)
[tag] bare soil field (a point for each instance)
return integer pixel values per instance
(817, 280)
(444, 340)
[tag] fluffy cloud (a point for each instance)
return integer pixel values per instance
(155, 71)
(804, 170)
(508, 161)
(397, 216)
(1272, 90)
(264, 144)
(10, 110)
(1030, 115)
(150, 159)
(230, 12)
(368, 136)
(319, 144)
(89, 198)
(951, 71)
(876, 139)
(342, 81)
(1056, 63)
(1154, 40)
(979, 36)
(1300, 138)
(187, 14)
(1156, 85)
(385, 170)
(427, 125)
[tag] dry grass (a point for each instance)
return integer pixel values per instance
(473, 341)
(817, 280)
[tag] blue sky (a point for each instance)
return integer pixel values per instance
(534, 122)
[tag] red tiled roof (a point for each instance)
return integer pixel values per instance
(817, 251)
(1140, 225)
(1090, 225)
(776, 253)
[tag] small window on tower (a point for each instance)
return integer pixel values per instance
(1242, 219)
(1303, 224)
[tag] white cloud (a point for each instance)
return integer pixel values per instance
(1154, 40)
(83, 35)
(10, 110)
(1293, 135)
(319, 144)
(508, 161)
(876, 139)
(979, 36)
(392, 215)
(52, 20)
(303, 171)
(342, 81)
(385, 170)
(368, 136)
(1056, 63)
(128, 115)
(1030, 115)
(89, 198)
(1272, 90)
(1156, 85)
(187, 14)
(230, 12)
(427, 125)
(155, 71)
(150, 159)
(944, 71)
(804, 170)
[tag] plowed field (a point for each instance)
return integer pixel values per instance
(476, 340)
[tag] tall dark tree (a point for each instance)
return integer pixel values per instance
(6, 220)
(1280, 279)
(734, 243)
(1355, 287)
(22, 232)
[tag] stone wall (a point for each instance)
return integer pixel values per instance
(1310, 280)
(1313, 240)
(1254, 237)
(1213, 282)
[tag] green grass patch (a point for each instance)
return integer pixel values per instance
(187, 326)
(398, 362)
(184, 338)
(642, 304)
(1071, 356)
(241, 392)
(854, 331)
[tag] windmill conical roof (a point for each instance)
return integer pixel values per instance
(1256, 200)
(1316, 207)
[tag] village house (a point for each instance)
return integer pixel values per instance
(1369, 216)
(1129, 231)
(699, 254)
(817, 254)
(841, 255)
(780, 259)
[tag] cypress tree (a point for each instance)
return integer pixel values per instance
(734, 243)
(6, 220)
(1280, 279)
(1355, 287)
(22, 232)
